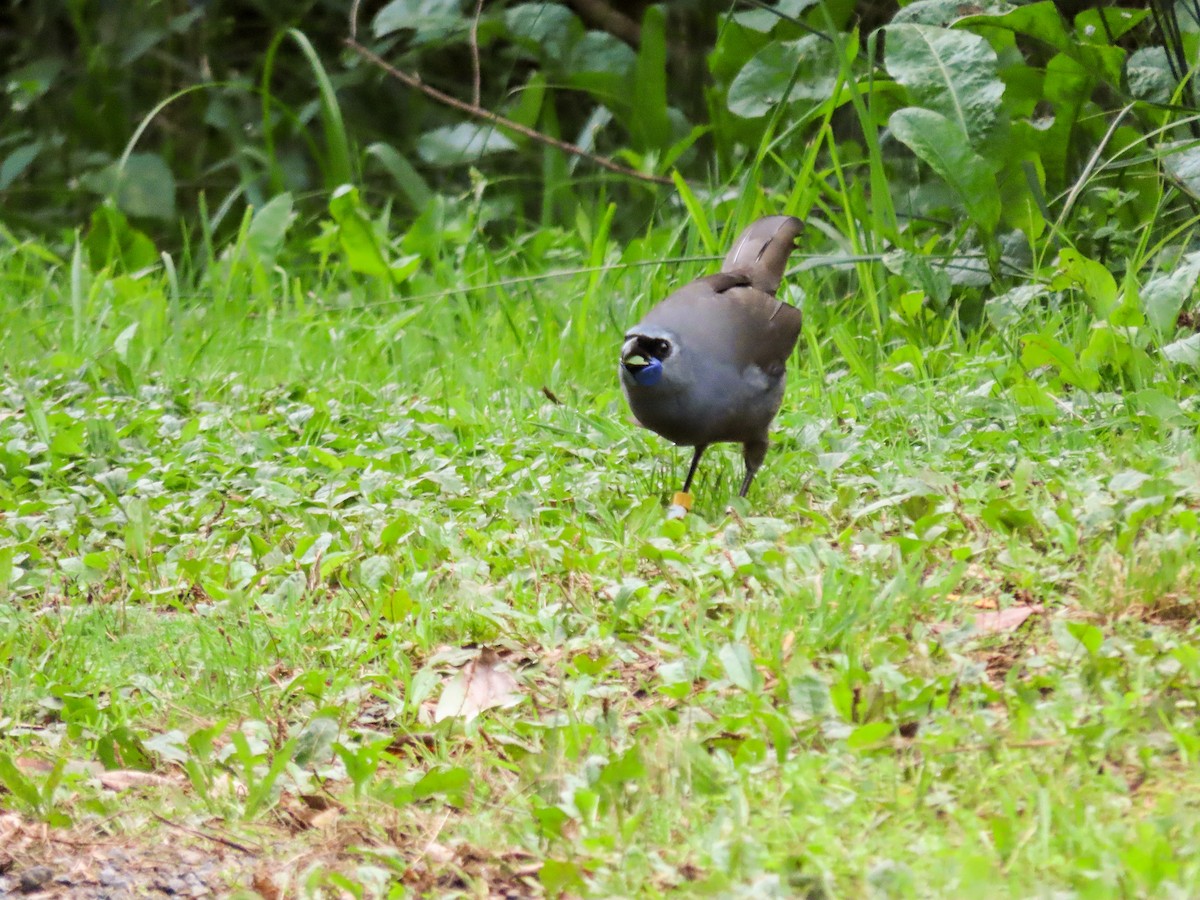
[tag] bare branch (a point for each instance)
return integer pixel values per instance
(473, 109)
(476, 96)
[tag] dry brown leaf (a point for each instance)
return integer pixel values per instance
(320, 802)
(124, 779)
(324, 819)
(1005, 620)
(437, 853)
(480, 684)
(266, 886)
(34, 764)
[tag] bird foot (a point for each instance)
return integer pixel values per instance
(681, 505)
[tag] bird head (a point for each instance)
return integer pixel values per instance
(642, 357)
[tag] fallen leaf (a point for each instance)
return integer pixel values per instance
(320, 802)
(481, 684)
(324, 819)
(1006, 619)
(439, 854)
(266, 886)
(789, 641)
(124, 779)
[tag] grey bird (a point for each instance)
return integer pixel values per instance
(708, 363)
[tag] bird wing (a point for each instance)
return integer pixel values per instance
(711, 312)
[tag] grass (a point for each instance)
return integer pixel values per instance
(257, 520)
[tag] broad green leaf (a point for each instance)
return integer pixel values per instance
(1042, 21)
(1041, 350)
(739, 666)
(624, 768)
(1163, 295)
(146, 187)
(1045, 24)
(809, 695)
(916, 270)
(431, 19)
(1002, 515)
(1158, 405)
(17, 162)
(1088, 276)
(111, 240)
(950, 72)
(934, 12)
(466, 142)
(1089, 635)
(393, 531)
(356, 236)
(866, 736)
(1007, 309)
(561, 878)
(269, 227)
(766, 19)
(449, 782)
(17, 784)
(1105, 25)
(373, 571)
(548, 29)
(598, 53)
(314, 744)
(1066, 87)
(941, 144)
(1185, 351)
(763, 82)
(1181, 160)
(1148, 74)
(29, 82)
(1109, 347)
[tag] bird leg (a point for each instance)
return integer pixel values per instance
(696, 454)
(753, 452)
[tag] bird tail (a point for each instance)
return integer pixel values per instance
(762, 250)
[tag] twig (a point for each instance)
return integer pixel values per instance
(487, 115)
(228, 842)
(476, 92)
(434, 834)
(979, 748)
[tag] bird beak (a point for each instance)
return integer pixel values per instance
(643, 368)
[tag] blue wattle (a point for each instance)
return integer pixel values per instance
(649, 374)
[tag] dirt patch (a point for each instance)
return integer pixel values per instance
(43, 862)
(169, 860)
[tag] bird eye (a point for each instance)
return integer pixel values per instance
(662, 349)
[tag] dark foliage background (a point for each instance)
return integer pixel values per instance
(187, 112)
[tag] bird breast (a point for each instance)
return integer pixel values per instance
(703, 402)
